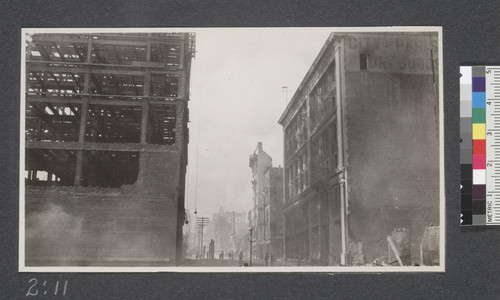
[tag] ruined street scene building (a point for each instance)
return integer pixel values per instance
(106, 148)
(361, 157)
(229, 230)
(267, 211)
(273, 212)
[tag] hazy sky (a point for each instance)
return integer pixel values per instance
(236, 101)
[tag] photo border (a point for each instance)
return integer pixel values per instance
(182, 269)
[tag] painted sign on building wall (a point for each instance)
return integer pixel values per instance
(392, 53)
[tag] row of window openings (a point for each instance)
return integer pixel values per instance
(40, 176)
(324, 154)
(126, 137)
(322, 103)
(101, 169)
(171, 55)
(297, 220)
(266, 219)
(161, 85)
(296, 133)
(298, 178)
(320, 91)
(102, 126)
(263, 233)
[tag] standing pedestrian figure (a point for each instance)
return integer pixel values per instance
(241, 258)
(266, 258)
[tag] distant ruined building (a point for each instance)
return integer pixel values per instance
(267, 213)
(229, 230)
(361, 157)
(106, 141)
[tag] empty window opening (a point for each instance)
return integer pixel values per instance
(117, 54)
(109, 168)
(322, 98)
(113, 84)
(170, 54)
(296, 132)
(52, 122)
(324, 153)
(113, 124)
(363, 61)
(162, 121)
(163, 85)
(42, 49)
(50, 167)
(54, 83)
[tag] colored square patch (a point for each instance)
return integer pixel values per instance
(479, 115)
(479, 146)
(478, 84)
(479, 162)
(479, 207)
(478, 131)
(479, 192)
(478, 99)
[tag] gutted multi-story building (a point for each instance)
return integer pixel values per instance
(361, 148)
(229, 230)
(273, 212)
(220, 229)
(106, 140)
(239, 232)
(267, 216)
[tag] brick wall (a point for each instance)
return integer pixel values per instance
(131, 225)
(392, 145)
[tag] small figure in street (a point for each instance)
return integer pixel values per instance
(221, 255)
(266, 258)
(211, 249)
(241, 258)
(272, 259)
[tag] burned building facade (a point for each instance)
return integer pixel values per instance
(220, 229)
(267, 215)
(229, 230)
(273, 212)
(106, 140)
(361, 149)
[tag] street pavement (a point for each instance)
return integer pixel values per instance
(232, 263)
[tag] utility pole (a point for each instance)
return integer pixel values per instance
(201, 223)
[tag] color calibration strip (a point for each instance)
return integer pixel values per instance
(480, 145)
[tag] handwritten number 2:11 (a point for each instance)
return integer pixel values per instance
(33, 290)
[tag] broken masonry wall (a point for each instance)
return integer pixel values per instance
(131, 225)
(392, 148)
(159, 173)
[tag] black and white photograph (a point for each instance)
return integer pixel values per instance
(232, 150)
